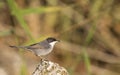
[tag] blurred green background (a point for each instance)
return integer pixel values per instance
(89, 31)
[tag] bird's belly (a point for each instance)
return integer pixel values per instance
(42, 52)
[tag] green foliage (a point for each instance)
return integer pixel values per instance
(20, 13)
(15, 11)
(5, 33)
(23, 70)
(87, 61)
(39, 10)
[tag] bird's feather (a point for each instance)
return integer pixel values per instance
(35, 46)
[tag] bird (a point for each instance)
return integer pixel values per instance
(41, 48)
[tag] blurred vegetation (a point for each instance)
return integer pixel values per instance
(89, 30)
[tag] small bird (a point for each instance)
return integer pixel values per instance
(42, 48)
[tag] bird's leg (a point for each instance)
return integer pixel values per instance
(42, 58)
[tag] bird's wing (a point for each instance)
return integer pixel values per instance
(35, 46)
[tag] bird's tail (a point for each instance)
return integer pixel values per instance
(16, 46)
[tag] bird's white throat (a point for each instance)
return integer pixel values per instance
(53, 43)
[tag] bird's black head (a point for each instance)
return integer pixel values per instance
(51, 39)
